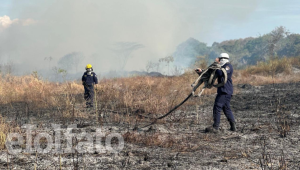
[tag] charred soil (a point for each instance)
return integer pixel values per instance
(267, 136)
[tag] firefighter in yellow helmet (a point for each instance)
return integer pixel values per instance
(89, 79)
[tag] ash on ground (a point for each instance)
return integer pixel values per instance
(267, 137)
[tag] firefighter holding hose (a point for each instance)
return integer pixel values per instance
(224, 93)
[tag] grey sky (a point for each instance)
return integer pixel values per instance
(92, 27)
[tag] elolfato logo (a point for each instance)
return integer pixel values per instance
(59, 142)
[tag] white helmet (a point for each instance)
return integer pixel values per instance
(224, 55)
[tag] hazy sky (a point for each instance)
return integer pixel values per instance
(34, 29)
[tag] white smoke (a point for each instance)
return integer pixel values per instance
(42, 29)
(5, 21)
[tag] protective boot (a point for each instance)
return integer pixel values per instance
(87, 104)
(232, 126)
(211, 129)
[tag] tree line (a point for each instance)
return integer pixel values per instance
(278, 43)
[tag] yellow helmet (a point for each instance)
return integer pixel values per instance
(88, 66)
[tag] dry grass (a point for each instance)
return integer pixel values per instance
(264, 80)
(274, 71)
(32, 90)
(6, 128)
(147, 94)
(143, 94)
(271, 67)
(155, 95)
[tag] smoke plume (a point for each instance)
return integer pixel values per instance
(34, 31)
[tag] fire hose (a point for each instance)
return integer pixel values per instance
(207, 77)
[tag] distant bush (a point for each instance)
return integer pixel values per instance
(272, 67)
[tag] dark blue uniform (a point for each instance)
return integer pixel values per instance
(88, 81)
(222, 101)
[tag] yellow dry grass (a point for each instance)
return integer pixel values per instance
(150, 94)
(147, 94)
(273, 71)
(6, 128)
(271, 67)
(30, 89)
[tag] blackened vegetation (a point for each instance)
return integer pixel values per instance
(267, 137)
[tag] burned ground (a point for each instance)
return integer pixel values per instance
(267, 137)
